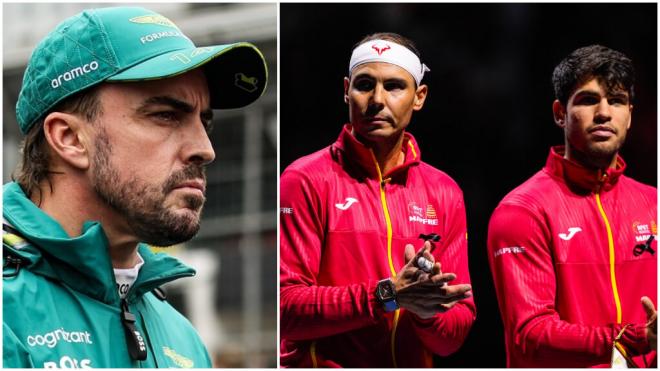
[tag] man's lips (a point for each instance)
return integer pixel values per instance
(378, 119)
(197, 184)
(602, 131)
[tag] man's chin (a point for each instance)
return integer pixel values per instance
(175, 225)
(181, 230)
(605, 149)
(376, 135)
(182, 200)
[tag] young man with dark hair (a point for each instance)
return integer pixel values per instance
(353, 292)
(116, 103)
(572, 250)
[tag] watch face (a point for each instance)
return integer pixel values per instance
(385, 290)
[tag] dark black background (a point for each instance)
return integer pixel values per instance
(487, 121)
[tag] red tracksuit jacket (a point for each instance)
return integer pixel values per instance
(561, 251)
(344, 227)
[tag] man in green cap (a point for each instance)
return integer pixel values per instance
(115, 107)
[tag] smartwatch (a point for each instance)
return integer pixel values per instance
(386, 295)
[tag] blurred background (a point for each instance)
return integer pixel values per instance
(233, 299)
(487, 120)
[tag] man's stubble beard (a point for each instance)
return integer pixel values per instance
(600, 155)
(141, 204)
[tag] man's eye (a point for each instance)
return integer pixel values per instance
(165, 116)
(394, 85)
(617, 101)
(364, 85)
(587, 101)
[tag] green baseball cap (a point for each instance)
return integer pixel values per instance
(123, 44)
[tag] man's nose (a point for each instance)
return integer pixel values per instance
(603, 111)
(198, 148)
(377, 99)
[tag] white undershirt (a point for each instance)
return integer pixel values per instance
(126, 277)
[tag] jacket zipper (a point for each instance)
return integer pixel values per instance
(610, 243)
(312, 351)
(137, 348)
(388, 222)
(135, 340)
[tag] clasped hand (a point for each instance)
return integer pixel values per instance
(651, 322)
(427, 294)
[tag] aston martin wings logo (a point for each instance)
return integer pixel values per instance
(154, 19)
(178, 359)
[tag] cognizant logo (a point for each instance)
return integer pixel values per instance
(74, 73)
(50, 339)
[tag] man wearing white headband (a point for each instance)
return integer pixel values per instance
(354, 293)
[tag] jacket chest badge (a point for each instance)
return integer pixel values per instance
(644, 235)
(643, 231)
(418, 214)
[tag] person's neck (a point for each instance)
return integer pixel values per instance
(591, 162)
(72, 201)
(388, 152)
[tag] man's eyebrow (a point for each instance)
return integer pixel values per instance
(366, 75)
(165, 100)
(619, 94)
(594, 93)
(396, 79)
(587, 92)
(363, 75)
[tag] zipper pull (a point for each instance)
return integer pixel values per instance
(602, 179)
(136, 346)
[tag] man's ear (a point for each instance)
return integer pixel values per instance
(420, 97)
(559, 113)
(347, 84)
(66, 137)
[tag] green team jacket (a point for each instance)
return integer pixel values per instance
(61, 308)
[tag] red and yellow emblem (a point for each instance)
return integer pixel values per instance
(430, 212)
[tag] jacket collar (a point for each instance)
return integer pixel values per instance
(580, 177)
(357, 154)
(81, 262)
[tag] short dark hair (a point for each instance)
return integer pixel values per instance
(34, 167)
(393, 37)
(610, 67)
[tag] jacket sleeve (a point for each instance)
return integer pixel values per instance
(14, 353)
(524, 275)
(445, 332)
(307, 310)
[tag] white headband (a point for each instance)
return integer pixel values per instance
(388, 52)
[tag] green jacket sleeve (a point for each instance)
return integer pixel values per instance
(14, 354)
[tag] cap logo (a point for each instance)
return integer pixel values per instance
(154, 19)
(380, 50)
(201, 50)
(248, 84)
(74, 73)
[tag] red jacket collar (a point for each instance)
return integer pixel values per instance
(575, 174)
(357, 153)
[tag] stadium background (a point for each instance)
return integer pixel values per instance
(232, 300)
(487, 121)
